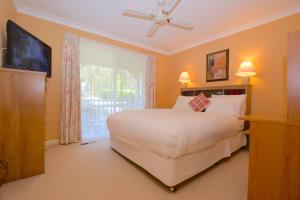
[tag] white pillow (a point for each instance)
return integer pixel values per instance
(182, 103)
(230, 104)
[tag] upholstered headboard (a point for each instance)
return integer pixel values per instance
(222, 90)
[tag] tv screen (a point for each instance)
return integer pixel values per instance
(25, 51)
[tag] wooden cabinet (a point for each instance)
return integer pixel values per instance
(274, 165)
(293, 78)
(22, 108)
(274, 158)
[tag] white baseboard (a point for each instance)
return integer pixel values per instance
(51, 142)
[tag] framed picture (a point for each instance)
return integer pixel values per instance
(217, 66)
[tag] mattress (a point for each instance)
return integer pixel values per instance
(172, 133)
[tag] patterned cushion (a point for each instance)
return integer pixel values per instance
(199, 103)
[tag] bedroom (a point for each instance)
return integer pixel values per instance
(254, 30)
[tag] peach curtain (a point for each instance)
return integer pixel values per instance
(70, 112)
(150, 83)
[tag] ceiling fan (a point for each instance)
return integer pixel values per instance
(161, 19)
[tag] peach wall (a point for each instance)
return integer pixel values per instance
(265, 45)
(52, 34)
(7, 11)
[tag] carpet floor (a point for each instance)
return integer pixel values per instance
(95, 172)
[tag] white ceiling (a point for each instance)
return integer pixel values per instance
(212, 19)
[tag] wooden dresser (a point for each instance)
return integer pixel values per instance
(22, 108)
(274, 158)
(274, 165)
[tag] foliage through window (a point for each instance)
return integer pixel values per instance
(112, 80)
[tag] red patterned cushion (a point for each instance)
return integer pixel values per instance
(199, 103)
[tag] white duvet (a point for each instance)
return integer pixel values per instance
(172, 133)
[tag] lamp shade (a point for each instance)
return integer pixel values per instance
(184, 77)
(246, 69)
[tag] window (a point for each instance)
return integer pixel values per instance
(112, 80)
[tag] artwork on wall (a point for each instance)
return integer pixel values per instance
(217, 66)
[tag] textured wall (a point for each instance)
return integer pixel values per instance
(7, 11)
(265, 45)
(52, 34)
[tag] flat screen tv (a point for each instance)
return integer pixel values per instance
(25, 51)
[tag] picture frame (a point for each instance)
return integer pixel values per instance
(217, 66)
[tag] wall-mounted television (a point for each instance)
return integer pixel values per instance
(25, 51)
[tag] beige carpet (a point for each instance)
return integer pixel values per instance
(94, 172)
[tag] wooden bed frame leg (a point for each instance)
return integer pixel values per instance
(172, 189)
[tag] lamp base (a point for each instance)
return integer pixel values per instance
(184, 85)
(245, 80)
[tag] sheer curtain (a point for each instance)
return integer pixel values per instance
(112, 79)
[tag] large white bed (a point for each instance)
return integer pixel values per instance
(175, 144)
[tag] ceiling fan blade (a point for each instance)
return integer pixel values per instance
(137, 14)
(153, 29)
(180, 24)
(172, 8)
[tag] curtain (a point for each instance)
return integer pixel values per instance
(70, 112)
(113, 79)
(151, 82)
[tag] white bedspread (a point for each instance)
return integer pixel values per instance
(172, 133)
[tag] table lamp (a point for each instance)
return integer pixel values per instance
(184, 78)
(245, 71)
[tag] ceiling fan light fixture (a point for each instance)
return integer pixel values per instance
(161, 19)
(161, 3)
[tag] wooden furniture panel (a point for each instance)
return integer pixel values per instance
(266, 159)
(292, 160)
(294, 78)
(274, 158)
(22, 110)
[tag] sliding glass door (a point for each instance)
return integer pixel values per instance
(112, 80)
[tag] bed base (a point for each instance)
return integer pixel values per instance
(171, 172)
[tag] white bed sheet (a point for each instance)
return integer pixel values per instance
(172, 133)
